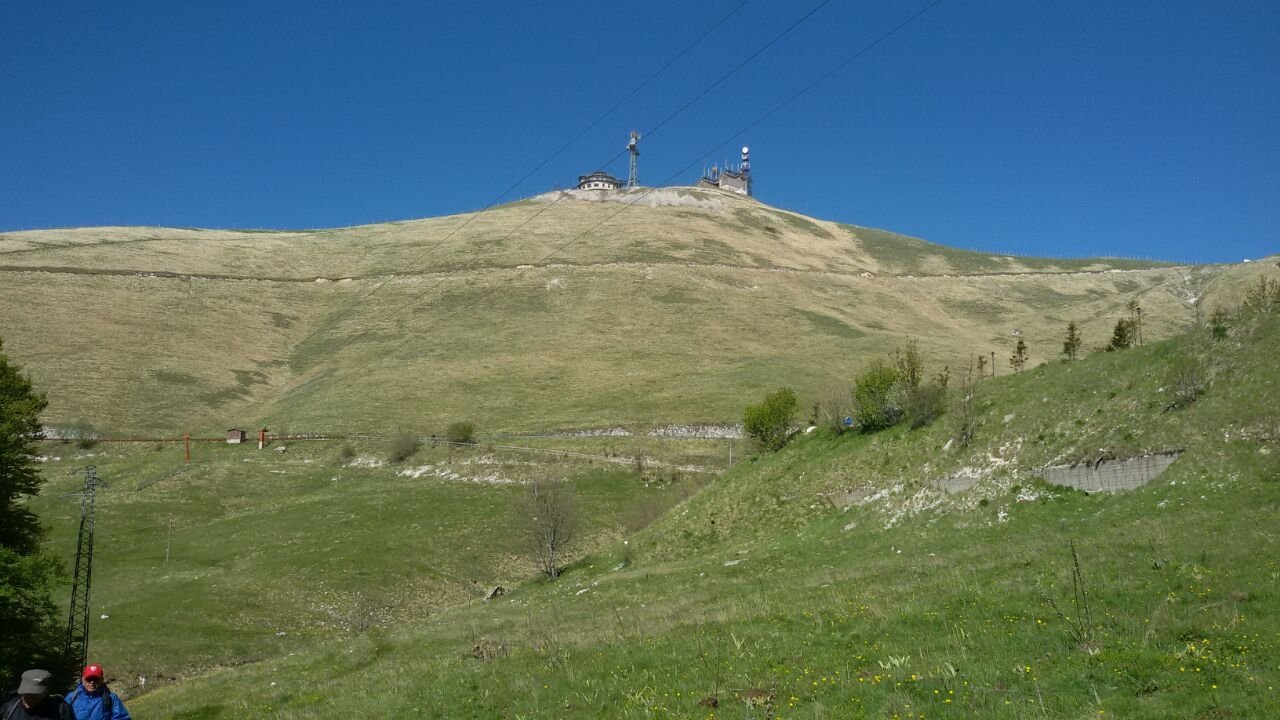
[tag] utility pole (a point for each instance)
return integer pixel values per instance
(76, 647)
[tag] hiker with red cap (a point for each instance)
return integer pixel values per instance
(93, 700)
(34, 700)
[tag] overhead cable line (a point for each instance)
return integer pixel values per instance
(494, 203)
(625, 206)
(671, 116)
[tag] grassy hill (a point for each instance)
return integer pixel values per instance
(246, 554)
(755, 595)
(557, 311)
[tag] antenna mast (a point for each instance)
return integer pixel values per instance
(633, 147)
(77, 645)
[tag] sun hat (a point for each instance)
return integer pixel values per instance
(35, 682)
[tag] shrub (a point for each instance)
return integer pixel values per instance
(1123, 335)
(966, 406)
(547, 517)
(925, 404)
(910, 367)
(1187, 380)
(346, 453)
(1220, 323)
(403, 446)
(875, 398)
(833, 406)
(462, 431)
(769, 423)
(82, 433)
(1263, 296)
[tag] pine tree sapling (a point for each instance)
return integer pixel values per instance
(1122, 336)
(1018, 360)
(1072, 344)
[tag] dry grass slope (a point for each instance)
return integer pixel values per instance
(555, 311)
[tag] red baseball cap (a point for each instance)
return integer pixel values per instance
(92, 671)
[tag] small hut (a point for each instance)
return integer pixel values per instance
(235, 436)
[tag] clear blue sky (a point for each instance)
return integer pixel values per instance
(1147, 129)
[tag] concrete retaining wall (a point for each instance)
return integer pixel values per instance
(1110, 475)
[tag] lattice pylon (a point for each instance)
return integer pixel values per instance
(77, 643)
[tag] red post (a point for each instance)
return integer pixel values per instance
(187, 438)
(262, 438)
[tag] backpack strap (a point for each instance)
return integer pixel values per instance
(108, 711)
(63, 705)
(10, 706)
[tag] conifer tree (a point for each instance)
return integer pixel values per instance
(1071, 346)
(1018, 360)
(1122, 336)
(29, 629)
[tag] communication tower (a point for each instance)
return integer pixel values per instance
(633, 147)
(77, 643)
(745, 168)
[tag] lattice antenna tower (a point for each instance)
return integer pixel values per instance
(633, 147)
(745, 167)
(77, 644)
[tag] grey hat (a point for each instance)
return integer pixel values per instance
(35, 682)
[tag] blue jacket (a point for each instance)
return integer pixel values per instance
(89, 707)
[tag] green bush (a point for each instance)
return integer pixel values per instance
(403, 446)
(769, 423)
(925, 404)
(909, 366)
(875, 398)
(82, 433)
(462, 431)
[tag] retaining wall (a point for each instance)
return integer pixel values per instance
(1110, 475)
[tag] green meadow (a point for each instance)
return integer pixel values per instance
(752, 596)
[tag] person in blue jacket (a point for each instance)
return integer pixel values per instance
(93, 700)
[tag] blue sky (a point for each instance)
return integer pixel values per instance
(1144, 129)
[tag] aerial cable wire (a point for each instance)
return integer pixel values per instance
(671, 116)
(349, 306)
(625, 206)
(494, 203)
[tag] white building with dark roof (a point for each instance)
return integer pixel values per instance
(599, 180)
